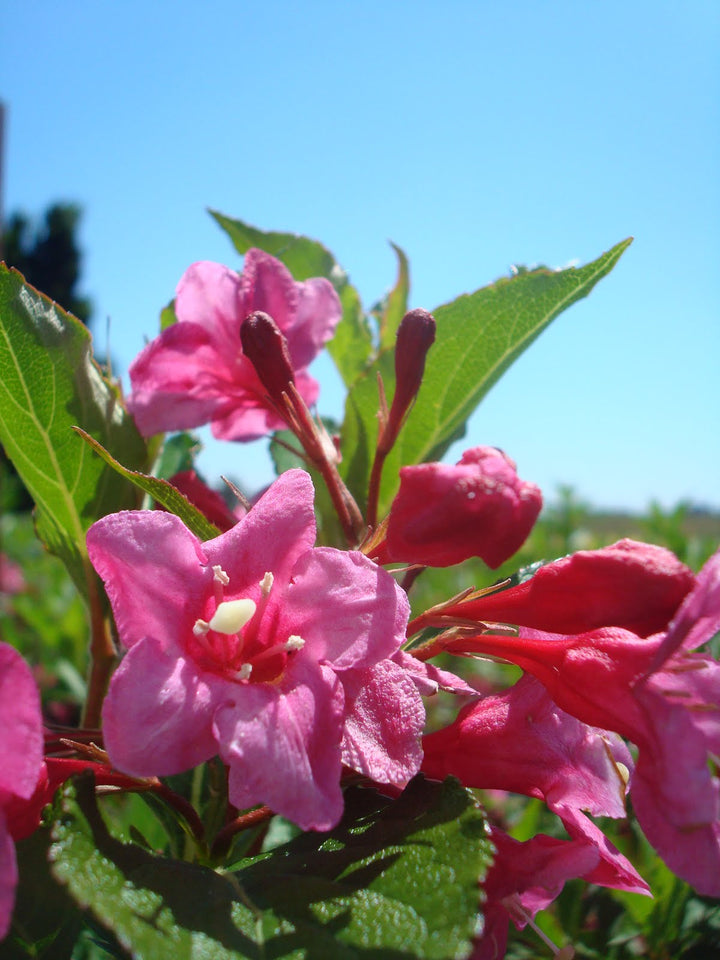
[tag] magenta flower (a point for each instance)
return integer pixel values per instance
(443, 515)
(195, 372)
(261, 648)
(662, 695)
(638, 586)
(21, 761)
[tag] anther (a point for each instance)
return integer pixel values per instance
(232, 615)
(220, 576)
(266, 585)
(244, 672)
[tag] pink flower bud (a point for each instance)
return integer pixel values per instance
(266, 348)
(443, 515)
(416, 334)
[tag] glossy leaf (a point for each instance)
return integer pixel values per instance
(49, 383)
(393, 879)
(396, 303)
(161, 491)
(479, 335)
(352, 345)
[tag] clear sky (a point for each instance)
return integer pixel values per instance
(473, 134)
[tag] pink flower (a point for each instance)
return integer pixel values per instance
(661, 695)
(443, 515)
(526, 876)
(261, 648)
(21, 757)
(519, 740)
(195, 372)
(11, 577)
(638, 586)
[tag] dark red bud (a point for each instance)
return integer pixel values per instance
(266, 348)
(416, 334)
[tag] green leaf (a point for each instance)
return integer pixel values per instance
(395, 879)
(168, 316)
(177, 455)
(396, 302)
(161, 491)
(352, 345)
(479, 335)
(48, 384)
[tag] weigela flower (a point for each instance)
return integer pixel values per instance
(662, 695)
(526, 876)
(443, 515)
(21, 758)
(261, 648)
(195, 372)
(638, 586)
(519, 740)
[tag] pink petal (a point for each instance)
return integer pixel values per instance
(318, 313)
(155, 573)
(698, 619)
(278, 530)
(157, 716)
(8, 878)
(383, 723)
(429, 678)
(282, 744)
(21, 748)
(521, 741)
(208, 295)
(363, 613)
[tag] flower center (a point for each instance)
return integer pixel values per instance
(236, 641)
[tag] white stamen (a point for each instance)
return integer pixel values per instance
(266, 584)
(244, 672)
(294, 643)
(220, 576)
(201, 628)
(232, 615)
(623, 772)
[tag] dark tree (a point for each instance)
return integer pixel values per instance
(48, 256)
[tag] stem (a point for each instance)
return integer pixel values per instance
(374, 486)
(224, 838)
(102, 653)
(184, 808)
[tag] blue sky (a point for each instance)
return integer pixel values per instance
(473, 134)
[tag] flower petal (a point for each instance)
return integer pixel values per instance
(347, 609)
(157, 715)
(383, 723)
(282, 744)
(21, 753)
(8, 877)
(155, 573)
(270, 538)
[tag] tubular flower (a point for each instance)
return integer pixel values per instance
(261, 648)
(443, 515)
(21, 760)
(637, 586)
(526, 876)
(195, 372)
(662, 695)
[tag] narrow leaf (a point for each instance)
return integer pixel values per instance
(479, 336)
(396, 302)
(161, 491)
(49, 383)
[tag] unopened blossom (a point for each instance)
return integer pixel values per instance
(445, 514)
(637, 586)
(195, 372)
(259, 647)
(658, 692)
(208, 501)
(21, 757)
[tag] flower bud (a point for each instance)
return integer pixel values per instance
(416, 334)
(266, 348)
